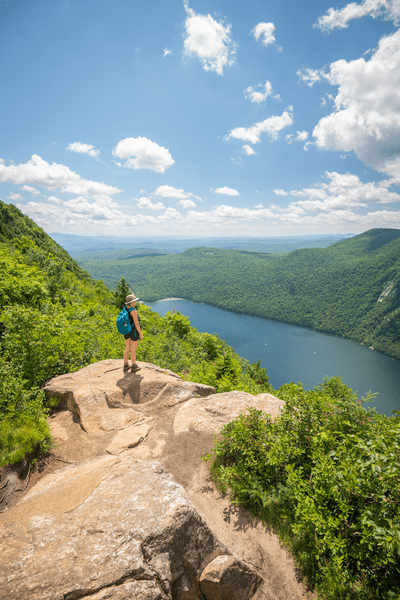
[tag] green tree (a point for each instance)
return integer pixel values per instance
(258, 374)
(121, 292)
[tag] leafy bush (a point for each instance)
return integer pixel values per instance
(325, 475)
(23, 423)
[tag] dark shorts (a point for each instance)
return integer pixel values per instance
(133, 335)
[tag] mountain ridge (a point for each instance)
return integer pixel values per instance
(333, 290)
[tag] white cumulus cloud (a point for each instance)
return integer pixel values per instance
(340, 17)
(227, 191)
(366, 119)
(171, 214)
(311, 76)
(260, 92)
(341, 201)
(166, 52)
(248, 150)
(147, 203)
(77, 213)
(97, 211)
(14, 197)
(344, 191)
(209, 40)
(142, 153)
(168, 191)
(272, 126)
(83, 148)
(266, 32)
(223, 214)
(33, 191)
(54, 200)
(301, 136)
(53, 177)
(187, 203)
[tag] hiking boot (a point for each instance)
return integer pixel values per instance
(126, 367)
(135, 367)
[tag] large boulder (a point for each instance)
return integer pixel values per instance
(212, 413)
(109, 528)
(104, 398)
(226, 578)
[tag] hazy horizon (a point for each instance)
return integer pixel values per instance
(219, 237)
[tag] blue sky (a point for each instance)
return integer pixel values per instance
(211, 118)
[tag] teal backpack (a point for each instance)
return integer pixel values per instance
(124, 325)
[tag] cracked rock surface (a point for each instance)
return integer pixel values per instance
(104, 529)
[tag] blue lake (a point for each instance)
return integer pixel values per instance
(291, 353)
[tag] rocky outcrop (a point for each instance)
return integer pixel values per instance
(120, 525)
(110, 528)
(106, 399)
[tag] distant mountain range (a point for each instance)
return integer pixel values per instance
(86, 247)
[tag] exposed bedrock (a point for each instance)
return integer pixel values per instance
(136, 516)
(110, 527)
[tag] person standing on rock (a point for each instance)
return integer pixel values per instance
(132, 338)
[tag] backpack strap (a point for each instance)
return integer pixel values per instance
(129, 310)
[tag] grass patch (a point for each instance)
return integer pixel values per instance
(21, 435)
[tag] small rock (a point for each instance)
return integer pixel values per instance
(227, 578)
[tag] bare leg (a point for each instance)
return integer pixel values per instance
(127, 349)
(134, 346)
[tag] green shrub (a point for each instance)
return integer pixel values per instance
(325, 475)
(23, 423)
(20, 436)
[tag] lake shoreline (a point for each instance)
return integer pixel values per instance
(293, 353)
(294, 324)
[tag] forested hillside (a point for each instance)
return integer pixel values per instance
(350, 289)
(54, 318)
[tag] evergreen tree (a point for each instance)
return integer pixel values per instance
(121, 292)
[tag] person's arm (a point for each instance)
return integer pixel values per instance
(137, 325)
